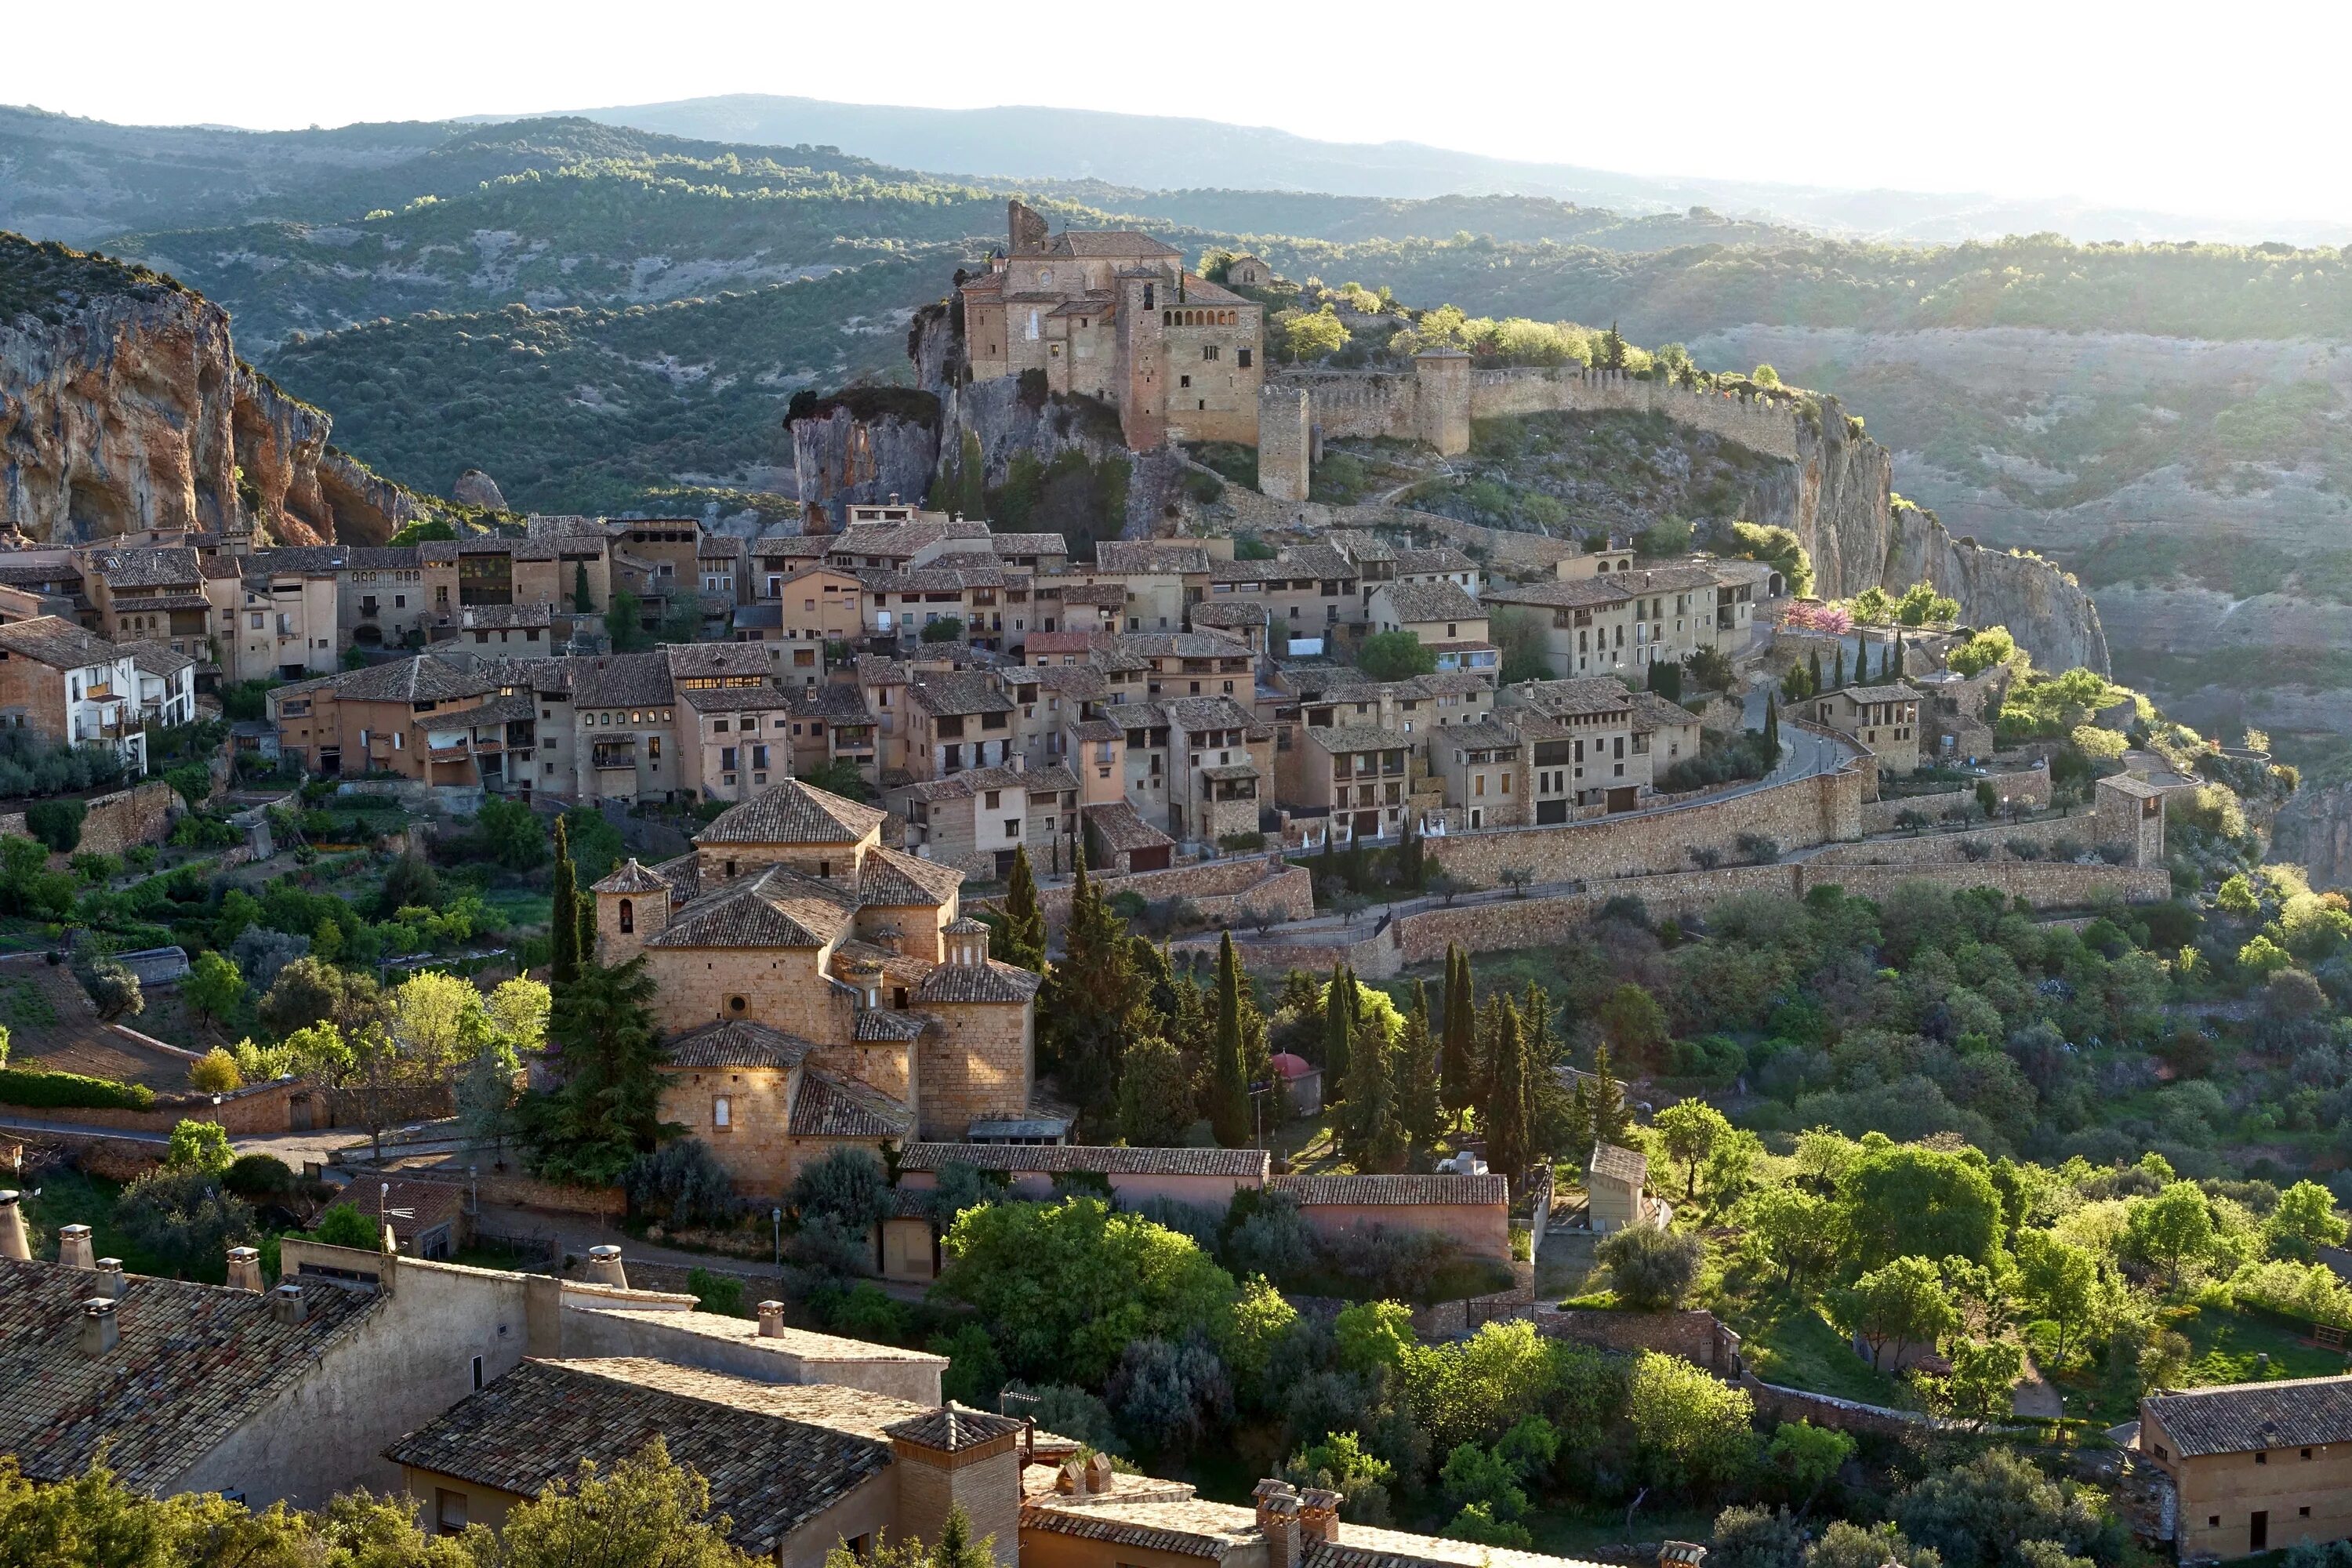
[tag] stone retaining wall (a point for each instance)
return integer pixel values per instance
(1452, 1320)
(1930, 846)
(1776, 1403)
(1224, 889)
(1696, 1335)
(2029, 786)
(142, 814)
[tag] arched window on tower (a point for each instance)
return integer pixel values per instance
(628, 916)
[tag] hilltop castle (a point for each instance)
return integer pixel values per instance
(1113, 314)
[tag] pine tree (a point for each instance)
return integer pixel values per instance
(1229, 1084)
(1455, 1072)
(1505, 1110)
(563, 921)
(1813, 673)
(1418, 1110)
(1019, 939)
(1338, 1025)
(956, 1548)
(1837, 670)
(1371, 1114)
(1096, 997)
(1606, 1099)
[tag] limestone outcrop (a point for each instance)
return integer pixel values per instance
(128, 409)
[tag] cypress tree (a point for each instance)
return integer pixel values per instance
(1019, 939)
(1896, 654)
(563, 921)
(1837, 668)
(587, 931)
(1606, 1099)
(1339, 1024)
(1229, 1087)
(1504, 1117)
(1095, 998)
(1454, 1071)
(582, 602)
(1371, 1114)
(1771, 732)
(1578, 1134)
(1813, 673)
(1418, 1110)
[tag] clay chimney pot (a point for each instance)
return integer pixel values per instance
(111, 1282)
(13, 1240)
(74, 1249)
(100, 1332)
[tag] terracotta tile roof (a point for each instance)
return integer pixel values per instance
(793, 813)
(1028, 544)
(1619, 1163)
(1487, 734)
(1362, 1546)
(880, 1024)
(736, 699)
(1082, 682)
(1394, 1191)
(1151, 557)
(621, 680)
(1226, 612)
(683, 873)
(194, 1364)
(985, 982)
(496, 617)
(860, 1413)
(835, 702)
(153, 568)
(1189, 1528)
(1585, 695)
(954, 1427)
(1431, 602)
(965, 785)
(430, 1205)
(1113, 595)
(1110, 242)
(1444, 558)
(689, 661)
(1043, 781)
(1444, 683)
(893, 879)
(735, 1043)
(1120, 829)
(1651, 711)
(1095, 731)
(1893, 693)
(769, 1473)
(832, 1106)
(55, 641)
(958, 692)
(2241, 1417)
(1361, 738)
(1194, 714)
(157, 658)
(772, 908)
(1106, 1159)
(1183, 645)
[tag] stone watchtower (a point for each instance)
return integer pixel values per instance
(1143, 293)
(632, 905)
(1285, 436)
(2129, 811)
(1442, 399)
(959, 1455)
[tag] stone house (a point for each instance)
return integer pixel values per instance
(1078, 603)
(1248, 272)
(956, 720)
(167, 683)
(739, 742)
(149, 594)
(1439, 615)
(1360, 774)
(278, 623)
(973, 820)
(380, 593)
(1614, 1180)
(722, 566)
(1158, 579)
(1883, 718)
(1220, 766)
(1594, 743)
(2252, 1466)
(806, 604)
(1483, 766)
(1618, 620)
(895, 537)
(796, 1470)
(1121, 842)
(503, 631)
(1113, 315)
(830, 724)
(73, 689)
(791, 914)
(1307, 589)
(1472, 1211)
(1442, 564)
(625, 729)
(1246, 622)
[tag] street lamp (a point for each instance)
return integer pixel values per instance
(776, 1217)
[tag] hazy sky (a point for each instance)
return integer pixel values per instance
(2230, 111)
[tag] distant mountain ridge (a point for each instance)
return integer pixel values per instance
(1166, 152)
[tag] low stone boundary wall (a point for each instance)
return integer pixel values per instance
(1776, 1403)
(1933, 844)
(264, 1107)
(1225, 890)
(116, 1156)
(511, 1190)
(1696, 1335)
(1452, 1320)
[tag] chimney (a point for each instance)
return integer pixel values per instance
(13, 1243)
(771, 1320)
(605, 1266)
(245, 1268)
(73, 1246)
(99, 1333)
(111, 1282)
(1100, 1474)
(1318, 1516)
(1277, 1521)
(286, 1306)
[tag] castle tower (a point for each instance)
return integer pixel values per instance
(632, 904)
(1442, 402)
(1284, 436)
(1144, 293)
(1025, 230)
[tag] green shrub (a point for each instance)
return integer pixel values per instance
(35, 1087)
(193, 780)
(56, 823)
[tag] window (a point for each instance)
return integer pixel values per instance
(2306, 1453)
(477, 1372)
(1241, 358)
(448, 1512)
(723, 1109)
(1183, 381)
(628, 916)
(1208, 351)
(2262, 1458)
(1011, 827)
(653, 748)
(257, 621)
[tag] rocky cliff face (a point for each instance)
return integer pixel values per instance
(2314, 830)
(129, 409)
(840, 457)
(1838, 498)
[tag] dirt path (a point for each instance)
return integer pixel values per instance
(2034, 1398)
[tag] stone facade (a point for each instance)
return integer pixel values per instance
(1284, 442)
(1694, 1335)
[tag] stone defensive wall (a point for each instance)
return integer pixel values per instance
(1932, 845)
(1371, 404)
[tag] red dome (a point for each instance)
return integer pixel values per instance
(1290, 1064)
